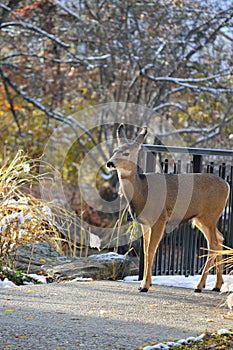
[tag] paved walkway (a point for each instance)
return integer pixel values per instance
(103, 315)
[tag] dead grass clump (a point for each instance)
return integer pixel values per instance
(23, 218)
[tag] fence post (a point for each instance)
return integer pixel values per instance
(150, 162)
(197, 163)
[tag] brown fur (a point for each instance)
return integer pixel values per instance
(158, 199)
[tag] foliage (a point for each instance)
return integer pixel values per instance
(171, 56)
(23, 218)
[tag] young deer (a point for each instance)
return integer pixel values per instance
(157, 199)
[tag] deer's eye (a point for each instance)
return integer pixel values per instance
(125, 154)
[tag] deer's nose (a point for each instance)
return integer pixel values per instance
(110, 165)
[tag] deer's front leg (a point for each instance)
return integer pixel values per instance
(152, 242)
(146, 239)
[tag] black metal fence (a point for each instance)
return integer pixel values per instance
(180, 252)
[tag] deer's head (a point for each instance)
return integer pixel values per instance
(125, 156)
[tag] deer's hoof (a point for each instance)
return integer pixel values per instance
(144, 290)
(216, 289)
(197, 290)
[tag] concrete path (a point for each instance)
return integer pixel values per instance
(103, 315)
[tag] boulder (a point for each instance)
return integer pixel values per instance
(42, 258)
(31, 257)
(110, 266)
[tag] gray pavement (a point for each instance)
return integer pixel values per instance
(104, 315)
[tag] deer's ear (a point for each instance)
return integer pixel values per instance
(140, 138)
(121, 136)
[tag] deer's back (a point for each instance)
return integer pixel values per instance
(181, 197)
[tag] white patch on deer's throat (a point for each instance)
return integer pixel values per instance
(124, 172)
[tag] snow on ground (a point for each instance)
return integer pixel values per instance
(170, 281)
(185, 282)
(37, 278)
(6, 283)
(180, 342)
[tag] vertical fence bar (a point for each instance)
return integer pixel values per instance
(150, 162)
(197, 163)
(229, 212)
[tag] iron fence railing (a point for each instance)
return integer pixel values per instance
(180, 252)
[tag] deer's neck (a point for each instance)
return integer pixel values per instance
(134, 189)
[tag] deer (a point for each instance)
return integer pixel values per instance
(153, 202)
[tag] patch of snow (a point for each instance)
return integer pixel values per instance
(180, 281)
(8, 219)
(80, 279)
(6, 283)
(223, 331)
(38, 278)
(108, 256)
(178, 343)
(200, 337)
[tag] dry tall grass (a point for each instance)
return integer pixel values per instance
(24, 218)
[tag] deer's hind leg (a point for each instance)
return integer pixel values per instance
(219, 278)
(151, 242)
(214, 240)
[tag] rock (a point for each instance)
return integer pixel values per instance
(41, 257)
(108, 266)
(31, 257)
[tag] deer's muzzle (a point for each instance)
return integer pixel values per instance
(110, 165)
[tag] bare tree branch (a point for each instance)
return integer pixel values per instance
(35, 29)
(8, 95)
(187, 82)
(68, 120)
